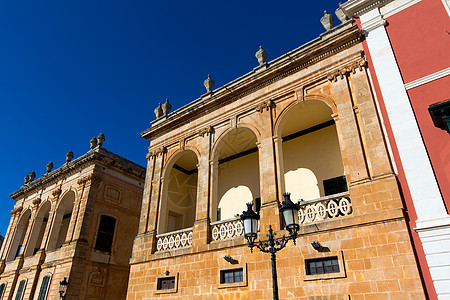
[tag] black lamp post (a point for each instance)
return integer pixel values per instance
(289, 210)
(63, 288)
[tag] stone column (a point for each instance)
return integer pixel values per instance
(354, 160)
(267, 169)
(81, 188)
(378, 160)
(145, 208)
(201, 231)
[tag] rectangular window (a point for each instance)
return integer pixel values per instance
(219, 215)
(231, 276)
(258, 204)
(44, 288)
(335, 185)
(166, 283)
(322, 266)
(2, 288)
(20, 290)
(105, 233)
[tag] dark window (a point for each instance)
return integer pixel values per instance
(257, 204)
(322, 266)
(219, 214)
(44, 288)
(105, 233)
(18, 250)
(232, 276)
(166, 283)
(20, 289)
(335, 185)
(2, 288)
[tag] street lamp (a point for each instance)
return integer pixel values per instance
(289, 210)
(63, 288)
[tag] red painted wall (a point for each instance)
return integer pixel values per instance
(420, 38)
(437, 141)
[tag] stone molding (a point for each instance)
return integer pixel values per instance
(56, 193)
(348, 69)
(426, 79)
(89, 179)
(264, 106)
(205, 131)
(156, 152)
(17, 210)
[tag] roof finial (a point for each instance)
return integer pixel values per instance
(209, 84)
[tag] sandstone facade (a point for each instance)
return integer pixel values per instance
(56, 230)
(316, 97)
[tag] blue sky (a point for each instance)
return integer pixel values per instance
(72, 69)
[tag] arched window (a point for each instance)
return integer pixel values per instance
(61, 222)
(2, 288)
(44, 288)
(105, 233)
(37, 233)
(19, 235)
(20, 290)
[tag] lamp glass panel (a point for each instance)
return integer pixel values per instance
(288, 217)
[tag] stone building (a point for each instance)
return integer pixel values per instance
(306, 123)
(78, 222)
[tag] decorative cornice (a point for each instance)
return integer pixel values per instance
(206, 131)
(328, 44)
(372, 24)
(347, 69)
(426, 79)
(89, 179)
(36, 201)
(355, 8)
(156, 152)
(16, 210)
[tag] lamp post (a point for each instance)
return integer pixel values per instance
(63, 288)
(289, 210)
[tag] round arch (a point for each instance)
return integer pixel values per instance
(61, 220)
(39, 226)
(19, 234)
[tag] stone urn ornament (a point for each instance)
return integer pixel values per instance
(27, 178)
(166, 107)
(327, 20)
(32, 176)
(340, 14)
(158, 111)
(209, 84)
(100, 139)
(69, 156)
(93, 142)
(261, 56)
(49, 167)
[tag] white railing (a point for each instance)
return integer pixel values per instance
(173, 240)
(226, 229)
(324, 208)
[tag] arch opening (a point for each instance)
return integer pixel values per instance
(19, 235)
(236, 173)
(179, 201)
(38, 230)
(61, 222)
(311, 160)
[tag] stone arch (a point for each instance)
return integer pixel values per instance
(179, 191)
(19, 235)
(61, 220)
(235, 162)
(308, 147)
(40, 223)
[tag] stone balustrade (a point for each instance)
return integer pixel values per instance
(173, 240)
(328, 207)
(226, 229)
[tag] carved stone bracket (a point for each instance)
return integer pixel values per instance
(89, 179)
(206, 131)
(156, 152)
(16, 210)
(56, 193)
(265, 105)
(36, 201)
(359, 65)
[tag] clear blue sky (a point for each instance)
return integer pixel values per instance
(72, 69)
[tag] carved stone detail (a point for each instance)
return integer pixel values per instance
(266, 105)
(69, 156)
(91, 178)
(158, 111)
(30, 177)
(36, 201)
(16, 210)
(349, 69)
(49, 167)
(166, 107)
(209, 84)
(100, 139)
(261, 56)
(156, 152)
(93, 143)
(56, 193)
(327, 20)
(206, 131)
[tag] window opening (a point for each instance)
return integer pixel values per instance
(231, 276)
(322, 265)
(335, 185)
(105, 233)
(166, 283)
(44, 288)
(2, 288)
(20, 290)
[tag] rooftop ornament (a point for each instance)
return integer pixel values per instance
(166, 107)
(261, 56)
(49, 167)
(340, 14)
(158, 111)
(209, 84)
(30, 177)
(93, 142)
(327, 20)
(100, 139)
(69, 156)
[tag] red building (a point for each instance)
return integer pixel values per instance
(407, 45)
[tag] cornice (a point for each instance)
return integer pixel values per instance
(336, 40)
(355, 8)
(96, 155)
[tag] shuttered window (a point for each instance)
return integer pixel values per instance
(44, 288)
(20, 290)
(105, 233)
(166, 283)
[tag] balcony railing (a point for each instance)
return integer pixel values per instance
(324, 208)
(227, 229)
(175, 239)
